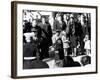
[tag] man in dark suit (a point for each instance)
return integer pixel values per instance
(46, 34)
(31, 47)
(29, 52)
(59, 24)
(27, 27)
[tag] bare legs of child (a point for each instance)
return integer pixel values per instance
(88, 52)
(65, 53)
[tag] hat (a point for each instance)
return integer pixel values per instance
(71, 15)
(67, 14)
(57, 15)
(53, 32)
(58, 30)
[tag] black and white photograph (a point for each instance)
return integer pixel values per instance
(55, 39)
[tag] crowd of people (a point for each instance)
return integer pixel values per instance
(69, 36)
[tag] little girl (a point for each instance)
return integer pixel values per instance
(87, 46)
(78, 49)
(66, 42)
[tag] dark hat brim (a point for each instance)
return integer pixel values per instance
(58, 30)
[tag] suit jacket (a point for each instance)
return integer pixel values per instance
(59, 26)
(27, 27)
(46, 32)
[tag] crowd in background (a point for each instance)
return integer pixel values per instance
(69, 35)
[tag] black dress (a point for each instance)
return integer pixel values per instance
(73, 41)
